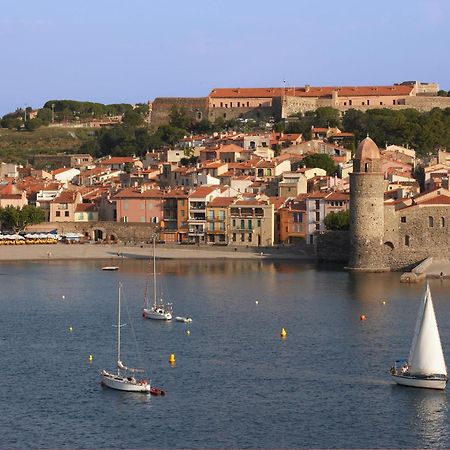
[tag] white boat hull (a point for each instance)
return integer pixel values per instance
(429, 383)
(183, 319)
(158, 314)
(128, 384)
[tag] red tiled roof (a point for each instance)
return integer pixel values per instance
(133, 192)
(85, 207)
(439, 200)
(324, 91)
(118, 160)
(222, 202)
(65, 197)
(203, 191)
(338, 196)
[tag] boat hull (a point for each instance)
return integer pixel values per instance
(156, 315)
(123, 383)
(428, 383)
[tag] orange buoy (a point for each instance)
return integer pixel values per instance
(172, 359)
(362, 317)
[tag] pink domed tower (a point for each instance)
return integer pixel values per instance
(367, 187)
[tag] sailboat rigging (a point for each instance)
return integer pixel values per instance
(425, 366)
(124, 379)
(158, 310)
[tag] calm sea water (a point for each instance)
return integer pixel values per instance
(235, 382)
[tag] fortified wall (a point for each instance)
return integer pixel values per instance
(196, 108)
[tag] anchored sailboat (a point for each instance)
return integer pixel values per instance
(158, 310)
(124, 379)
(425, 366)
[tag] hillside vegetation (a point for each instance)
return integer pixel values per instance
(20, 146)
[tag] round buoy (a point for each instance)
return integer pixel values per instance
(70, 329)
(283, 333)
(383, 302)
(362, 317)
(172, 358)
(91, 358)
(188, 332)
(63, 297)
(257, 302)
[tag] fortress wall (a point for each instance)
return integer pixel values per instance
(196, 107)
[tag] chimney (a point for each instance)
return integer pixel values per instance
(307, 87)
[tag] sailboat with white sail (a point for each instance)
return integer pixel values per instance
(158, 310)
(425, 366)
(125, 378)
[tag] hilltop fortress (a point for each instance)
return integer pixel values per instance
(280, 103)
(388, 235)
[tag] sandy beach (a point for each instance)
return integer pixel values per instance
(117, 252)
(439, 268)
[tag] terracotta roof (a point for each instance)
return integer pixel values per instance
(85, 207)
(338, 196)
(367, 149)
(324, 91)
(203, 191)
(133, 192)
(439, 200)
(118, 160)
(61, 170)
(65, 197)
(221, 202)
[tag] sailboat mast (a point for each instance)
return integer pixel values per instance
(154, 272)
(118, 329)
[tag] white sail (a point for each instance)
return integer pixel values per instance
(426, 356)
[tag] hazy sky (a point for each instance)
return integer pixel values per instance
(114, 51)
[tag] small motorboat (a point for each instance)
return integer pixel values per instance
(110, 268)
(183, 319)
(157, 391)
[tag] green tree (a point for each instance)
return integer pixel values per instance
(33, 124)
(178, 118)
(321, 161)
(15, 218)
(45, 114)
(337, 221)
(133, 119)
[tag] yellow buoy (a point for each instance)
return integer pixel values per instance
(172, 358)
(91, 358)
(283, 333)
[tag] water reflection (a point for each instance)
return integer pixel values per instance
(431, 412)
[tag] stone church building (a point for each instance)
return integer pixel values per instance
(390, 235)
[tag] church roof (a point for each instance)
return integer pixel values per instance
(367, 149)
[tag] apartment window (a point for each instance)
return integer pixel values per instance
(234, 223)
(403, 219)
(259, 222)
(407, 240)
(242, 224)
(211, 215)
(248, 104)
(363, 103)
(211, 226)
(239, 104)
(350, 102)
(221, 226)
(66, 213)
(222, 215)
(317, 216)
(58, 213)
(368, 102)
(234, 237)
(242, 237)
(430, 222)
(317, 204)
(231, 104)
(345, 103)
(182, 213)
(381, 103)
(442, 222)
(249, 237)
(250, 224)
(317, 226)
(393, 102)
(221, 104)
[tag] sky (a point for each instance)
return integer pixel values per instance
(117, 51)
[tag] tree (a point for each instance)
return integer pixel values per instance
(178, 118)
(33, 124)
(133, 119)
(321, 161)
(45, 114)
(338, 221)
